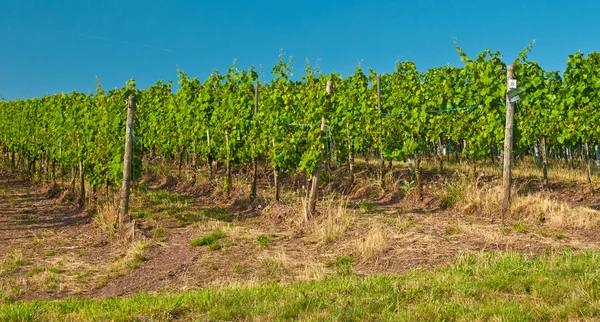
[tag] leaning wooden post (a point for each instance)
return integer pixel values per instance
(382, 160)
(314, 189)
(254, 161)
(508, 132)
(124, 208)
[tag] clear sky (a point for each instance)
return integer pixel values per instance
(60, 45)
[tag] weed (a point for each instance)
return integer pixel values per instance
(215, 245)
(408, 186)
(540, 217)
(263, 240)
(135, 256)
(161, 197)
(158, 234)
(35, 271)
(366, 206)
(454, 193)
(10, 264)
(49, 253)
(52, 283)
(185, 218)
(209, 240)
(27, 217)
(55, 270)
(403, 224)
(144, 214)
(218, 214)
(560, 235)
(239, 269)
(271, 266)
(142, 187)
(519, 227)
(343, 265)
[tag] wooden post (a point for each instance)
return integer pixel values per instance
(275, 175)
(350, 156)
(314, 188)
(440, 154)
(587, 161)
(544, 161)
(82, 183)
(382, 160)
(254, 161)
(208, 156)
(508, 132)
(227, 166)
(124, 207)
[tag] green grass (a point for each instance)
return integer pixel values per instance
(27, 217)
(144, 214)
(263, 240)
(210, 240)
(343, 265)
(366, 206)
(519, 227)
(218, 214)
(490, 286)
(161, 197)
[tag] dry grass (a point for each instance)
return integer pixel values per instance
(52, 274)
(12, 262)
(372, 244)
(337, 218)
(554, 214)
(557, 171)
(485, 200)
(488, 233)
(107, 216)
(294, 267)
(132, 259)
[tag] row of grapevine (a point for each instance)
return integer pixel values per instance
(217, 119)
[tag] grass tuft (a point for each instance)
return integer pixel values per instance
(210, 240)
(263, 240)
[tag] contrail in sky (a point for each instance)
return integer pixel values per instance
(116, 40)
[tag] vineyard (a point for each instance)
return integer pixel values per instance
(236, 119)
(271, 178)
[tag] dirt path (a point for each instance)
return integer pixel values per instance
(49, 249)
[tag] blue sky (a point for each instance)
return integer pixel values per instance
(61, 45)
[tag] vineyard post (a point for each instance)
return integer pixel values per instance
(382, 160)
(587, 161)
(596, 151)
(350, 156)
(508, 133)
(124, 207)
(254, 162)
(545, 160)
(312, 198)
